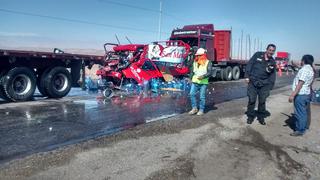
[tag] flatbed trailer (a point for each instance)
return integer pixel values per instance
(53, 73)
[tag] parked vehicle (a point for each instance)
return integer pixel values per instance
(282, 60)
(218, 46)
(53, 73)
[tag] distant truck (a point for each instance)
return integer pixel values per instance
(282, 60)
(218, 46)
(53, 73)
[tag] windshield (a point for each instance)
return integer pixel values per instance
(191, 41)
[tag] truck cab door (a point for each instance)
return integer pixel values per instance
(207, 43)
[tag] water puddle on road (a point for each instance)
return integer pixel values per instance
(44, 125)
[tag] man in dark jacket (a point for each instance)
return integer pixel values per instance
(261, 77)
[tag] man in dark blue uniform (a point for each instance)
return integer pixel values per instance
(261, 77)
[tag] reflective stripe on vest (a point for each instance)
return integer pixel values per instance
(200, 70)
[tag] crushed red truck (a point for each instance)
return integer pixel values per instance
(21, 72)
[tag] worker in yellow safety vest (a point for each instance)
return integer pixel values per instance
(200, 73)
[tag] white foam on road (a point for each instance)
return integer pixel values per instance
(160, 118)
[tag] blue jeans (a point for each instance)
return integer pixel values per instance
(301, 103)
(193, 91)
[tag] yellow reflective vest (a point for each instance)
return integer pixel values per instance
(200, 70)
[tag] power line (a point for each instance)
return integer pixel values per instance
(174, 17)
(76, 21)
(143, 8)
(130, 6)
(160, 18)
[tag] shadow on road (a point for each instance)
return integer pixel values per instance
(211, 107)
(290, 121)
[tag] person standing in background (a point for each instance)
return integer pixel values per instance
(301, 95)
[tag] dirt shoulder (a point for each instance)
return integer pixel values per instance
(218, 145)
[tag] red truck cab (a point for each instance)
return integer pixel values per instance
(218, 46)
(199, 36)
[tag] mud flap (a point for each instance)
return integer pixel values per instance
(76, 67)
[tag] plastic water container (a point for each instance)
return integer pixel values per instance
(101, 83)
(129, 87)
(91, 85)
(163, 85)
(186, 86)
(317, 96)
(179, 85)
(155, 85)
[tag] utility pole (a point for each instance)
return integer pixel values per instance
(249, 46)
(160, 18)
(231, 43)
(246, 52)
(241, 42)
(234, 48)
(254, 45)
(238, 48)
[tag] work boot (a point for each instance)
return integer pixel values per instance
(193, 111)
(296, 133)
(250, 120)
(262, 121)
(200, 113)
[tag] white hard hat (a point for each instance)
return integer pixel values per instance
(200, 51)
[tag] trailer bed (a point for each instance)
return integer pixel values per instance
(49, 55)
(53, 73)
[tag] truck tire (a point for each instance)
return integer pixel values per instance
(41, 82)
(2, 92)
(221, 74)
(19, 84)
(57, 82)
(108, 93)
(236, 72)
(228, 73)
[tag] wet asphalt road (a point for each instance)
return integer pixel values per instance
(46, 124)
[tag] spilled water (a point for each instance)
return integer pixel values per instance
(43, 125)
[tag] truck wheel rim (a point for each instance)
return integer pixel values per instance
(21, 84)
(108, 93)
(237, 73)
(230, 75)
(60, 82)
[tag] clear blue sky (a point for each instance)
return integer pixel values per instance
(293, 25)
